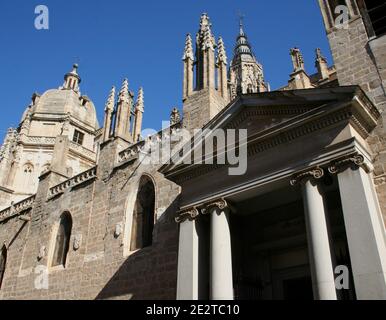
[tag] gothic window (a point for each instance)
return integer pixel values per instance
(143, 215)
(28, 175)
(62, 241)
(3, 261)
(78, 137)
(374, 17)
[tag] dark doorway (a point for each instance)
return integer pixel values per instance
(298, 289)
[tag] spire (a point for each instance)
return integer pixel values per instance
(124, 92)
(139, 109)
(139, 105)
(321, 64)
(109, 108)
(205, 36)
(110, 100)
(246, 74)
(297, 59)
(221, 56)
(243, 49)
(124, 112)
(72, 79)
(188, 51)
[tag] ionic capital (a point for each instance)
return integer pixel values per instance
(188, 214)
(315, 173)
(221, 204)
(352, 161)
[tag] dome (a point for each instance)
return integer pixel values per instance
(59, 102)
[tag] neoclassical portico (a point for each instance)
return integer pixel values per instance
(306, 204)
(363, 223)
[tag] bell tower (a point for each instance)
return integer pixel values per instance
(203, 97)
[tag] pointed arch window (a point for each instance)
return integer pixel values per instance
(62, 241)
(28, 175)
(143, 215)
(3, 262)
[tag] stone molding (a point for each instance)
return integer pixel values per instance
(314, 173)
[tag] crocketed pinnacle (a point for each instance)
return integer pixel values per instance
(221, 54)
(110, 100)
(188, 51)
(139, 104)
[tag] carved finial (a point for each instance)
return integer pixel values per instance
(222, 56)
(139, 104)
(188, 51)
(205, 34)
(75, 67)
(110, 100)
(297, 59)
(175, 116)
(124, 92)
(319, 56)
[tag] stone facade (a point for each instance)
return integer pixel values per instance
(359, 57)
(307, 133)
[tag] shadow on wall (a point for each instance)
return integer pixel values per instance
(149, 273)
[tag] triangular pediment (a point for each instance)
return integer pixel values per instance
(279, 117)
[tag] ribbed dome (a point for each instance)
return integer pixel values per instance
(63, 102)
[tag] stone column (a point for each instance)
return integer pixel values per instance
(323, 282)
(188, 256)
(221, 277)
(364, 227)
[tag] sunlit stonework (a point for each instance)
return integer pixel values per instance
(80, 202)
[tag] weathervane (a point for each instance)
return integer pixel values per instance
(241, 18)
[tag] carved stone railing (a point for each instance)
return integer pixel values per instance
(17, 208)
(132, 152)
(51, 141)
(83, 151)
(38, 140)
(74, 181)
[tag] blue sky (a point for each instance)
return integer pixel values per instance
(143, 41)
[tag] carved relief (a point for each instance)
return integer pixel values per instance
(42, 253)
(77, 242)
(118, 230)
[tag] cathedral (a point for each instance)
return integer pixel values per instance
(84, 216)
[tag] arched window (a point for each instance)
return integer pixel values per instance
(28, 175)
(62, 242)
(3, 261)
(143, 215)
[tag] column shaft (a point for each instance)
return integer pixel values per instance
(365, 233)
(221, 257)
(323, 282)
